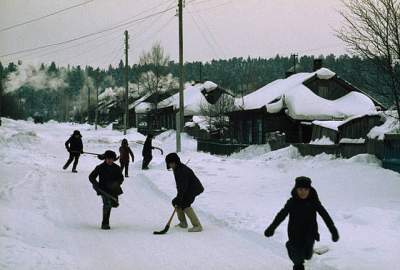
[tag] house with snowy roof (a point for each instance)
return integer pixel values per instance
(141, 110)
(290, 106)
(195, 97)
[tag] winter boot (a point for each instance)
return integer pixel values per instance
(105, 224)
(193, 219)
(74, 171)
(298, 267)
(182, 219)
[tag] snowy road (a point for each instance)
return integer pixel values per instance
(50, 218)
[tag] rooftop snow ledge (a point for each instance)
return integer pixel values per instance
(325, 74)
(209, 86)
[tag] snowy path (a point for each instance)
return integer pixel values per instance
(50, 218)
(51, 221)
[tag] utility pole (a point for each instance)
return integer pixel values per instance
(126, 118)
(96, 117)
(201, 71)
(180, 125)
(294, 62)
(1, 89)
(88, 105)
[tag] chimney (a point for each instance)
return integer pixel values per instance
(317, 64)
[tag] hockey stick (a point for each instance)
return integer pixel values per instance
(89, 153)
(106, 194)
(154, 147)
(165, 230)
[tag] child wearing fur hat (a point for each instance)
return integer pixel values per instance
(302, 209)
(108, 186)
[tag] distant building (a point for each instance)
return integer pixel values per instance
(288, 107)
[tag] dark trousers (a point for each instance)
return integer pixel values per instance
(72, 157)
(187, 202)
(300, 251)
(146, 162)
(125, 166)
(107, 205)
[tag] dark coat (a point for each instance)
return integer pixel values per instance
(74, 144)
(124, 152)
(187, 184)
(146, 152)
(303, 217)
(110, 178)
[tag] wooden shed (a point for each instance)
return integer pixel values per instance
(359, 126)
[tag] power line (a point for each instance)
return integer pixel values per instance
(44, 16)
(213, 7)
(139, 33)
(204, 36)
(212, 35)
(90, 34)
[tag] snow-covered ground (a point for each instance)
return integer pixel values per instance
(50, 217)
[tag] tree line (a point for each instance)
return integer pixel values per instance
(68, 93)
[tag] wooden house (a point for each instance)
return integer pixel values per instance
(194, 99)
(349, 130)
(145, 112)
(290, 105)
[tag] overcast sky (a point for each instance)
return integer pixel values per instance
(212, 29)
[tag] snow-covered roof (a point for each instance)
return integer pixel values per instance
(193, 98)
(302, 103)
(334, 125)
(143, 107)
(140, 100)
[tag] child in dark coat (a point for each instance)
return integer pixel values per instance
(302, 209)
(147, 152)
(124, 153)
(108, 185)
(74, 147)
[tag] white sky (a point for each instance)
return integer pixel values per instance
(228, 28)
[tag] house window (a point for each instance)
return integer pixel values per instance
(323, 91)
(259, 131)
(249, 132)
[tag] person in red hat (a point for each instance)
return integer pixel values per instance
(302, 209)
(108, 186)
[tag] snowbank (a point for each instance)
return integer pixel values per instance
(252, 152)
(366, 159)
(167, 140)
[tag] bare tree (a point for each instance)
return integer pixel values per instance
(156, 80)
(372, 30)
(216, 114)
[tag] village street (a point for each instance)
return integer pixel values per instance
(51, 218)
